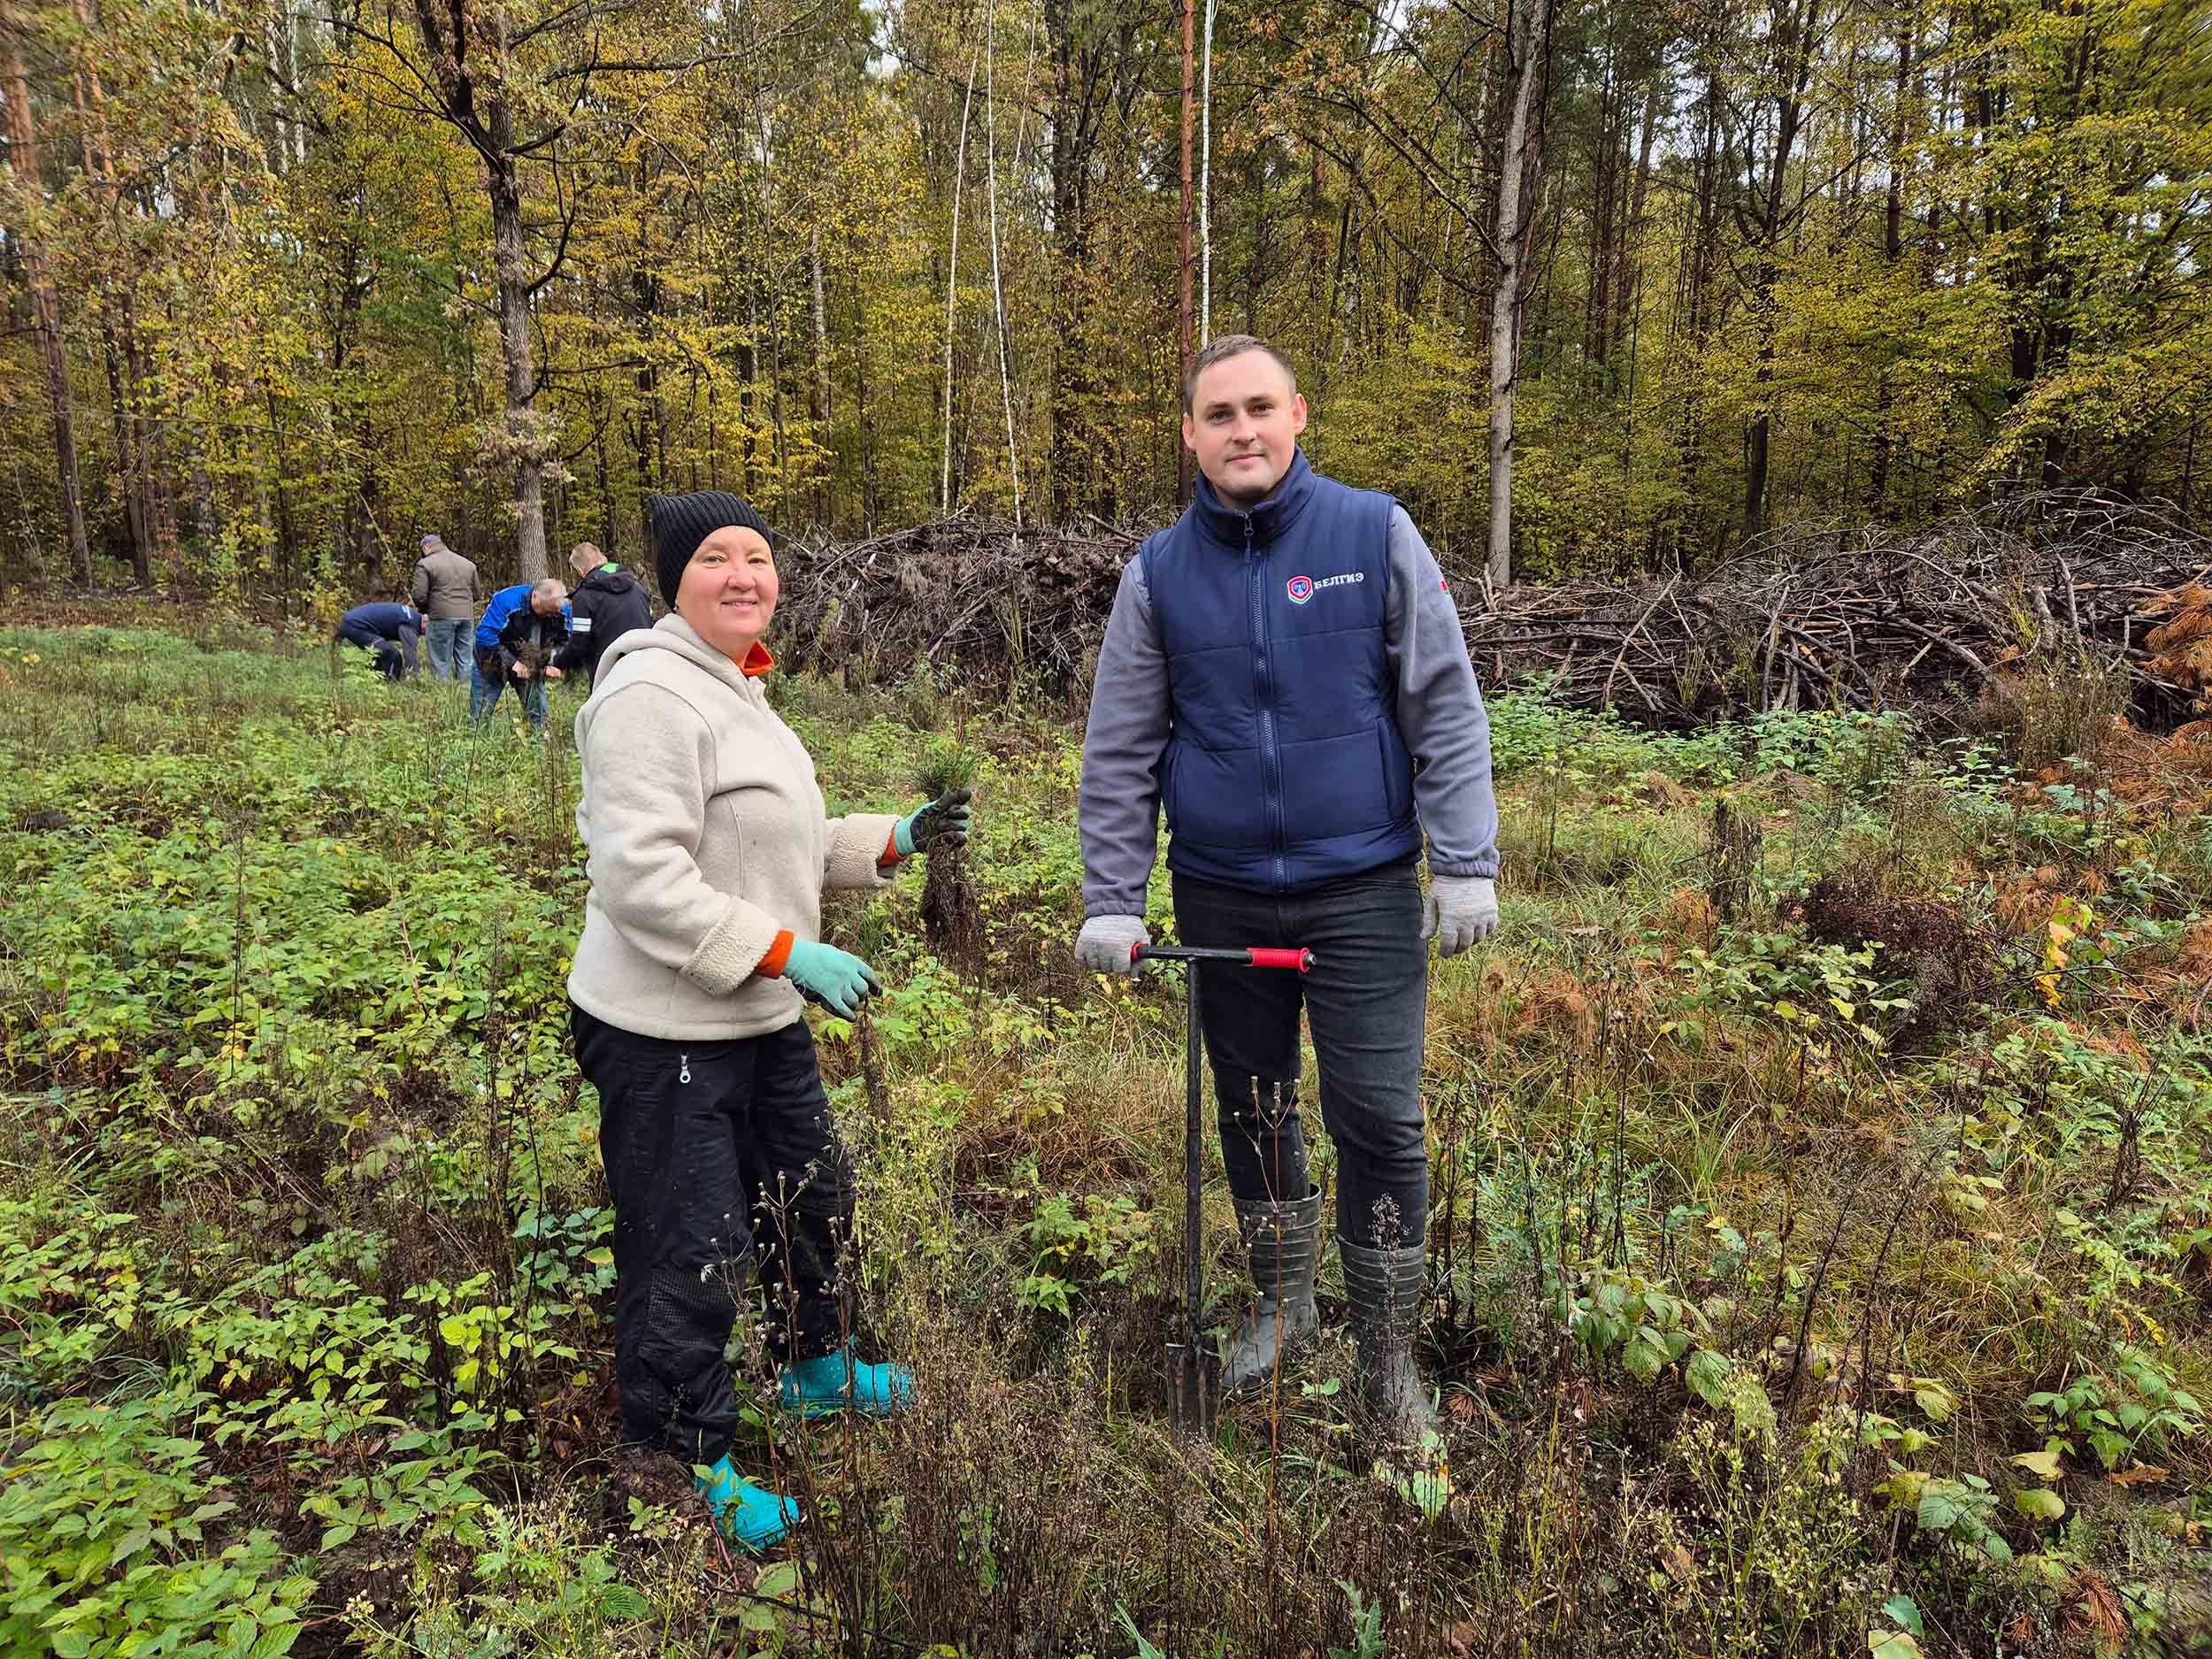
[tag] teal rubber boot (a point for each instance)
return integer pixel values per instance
(838, 1382)
(750, 1517)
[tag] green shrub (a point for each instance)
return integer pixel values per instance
(104, 1527)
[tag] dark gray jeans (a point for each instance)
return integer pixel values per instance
(1366, 1000)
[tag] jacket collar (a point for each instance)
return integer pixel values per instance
(1268, 520)
(688, 644)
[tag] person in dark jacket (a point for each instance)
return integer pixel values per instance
(1284, 670)
(517, 642)
(388, 632)
(607, 602)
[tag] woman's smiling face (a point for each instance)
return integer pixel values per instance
(729, 591)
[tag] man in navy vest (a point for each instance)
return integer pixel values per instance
(1284, 670)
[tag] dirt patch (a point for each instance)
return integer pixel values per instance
(1692, 915)
(1923, 940)
(654, 1479)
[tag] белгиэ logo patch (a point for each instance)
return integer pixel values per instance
(1303, 587)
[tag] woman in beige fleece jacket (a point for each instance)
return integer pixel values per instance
(710, 850)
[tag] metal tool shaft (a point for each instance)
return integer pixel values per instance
(1194, 1164)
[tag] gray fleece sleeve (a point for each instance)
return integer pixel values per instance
(1440, 710)
(1118, 810)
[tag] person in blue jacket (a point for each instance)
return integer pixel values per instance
(388, 632)
(523, 629)
(1284, 670)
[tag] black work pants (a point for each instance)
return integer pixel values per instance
(1367, 1001)
(722, 1160)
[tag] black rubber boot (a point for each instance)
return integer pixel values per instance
(1383, 1291)
(1284, 1244)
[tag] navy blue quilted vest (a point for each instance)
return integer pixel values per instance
(1285, 767)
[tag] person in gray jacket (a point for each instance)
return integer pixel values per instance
(1284, 670)
(446, 590)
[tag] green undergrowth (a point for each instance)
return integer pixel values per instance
(1822, 1198)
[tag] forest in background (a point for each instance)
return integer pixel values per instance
(287, 286)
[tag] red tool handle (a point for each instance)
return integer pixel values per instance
(1298, 960)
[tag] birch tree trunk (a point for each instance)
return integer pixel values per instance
(998, 281)
(818, 409)
(1205, 184)
(952, 286)
(1184, 331)
(1519, 175)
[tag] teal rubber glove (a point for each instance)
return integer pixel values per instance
(839, 981)
(943, 820)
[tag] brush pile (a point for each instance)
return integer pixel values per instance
(1870, 617)
(995, 604)
(1858, 618)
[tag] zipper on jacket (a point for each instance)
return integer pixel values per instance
(1264, 685)
(683, 1068)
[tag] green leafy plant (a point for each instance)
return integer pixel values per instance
(1821, 991)
(1645, 1325)
(1961, 1513)
(1076, 1243)
(425, 1497)
(111, 1531)
(2143, 1406)
(1367, 1637)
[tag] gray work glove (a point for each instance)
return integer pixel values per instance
(1104, 944)
(1460, 910)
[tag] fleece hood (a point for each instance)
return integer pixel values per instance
(672, 633)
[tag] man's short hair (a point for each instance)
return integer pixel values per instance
(549, 589)
(1233, 346)
(584, 558)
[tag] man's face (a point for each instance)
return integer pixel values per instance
(1243, 426)
(548, 606)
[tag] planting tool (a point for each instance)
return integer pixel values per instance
(1193, 1369)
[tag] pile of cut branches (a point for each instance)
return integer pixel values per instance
(1808, 616)
(996, 603)
(1870, 617)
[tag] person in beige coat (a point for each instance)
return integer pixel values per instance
(709, 848)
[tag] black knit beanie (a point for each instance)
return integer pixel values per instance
(679, 523)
